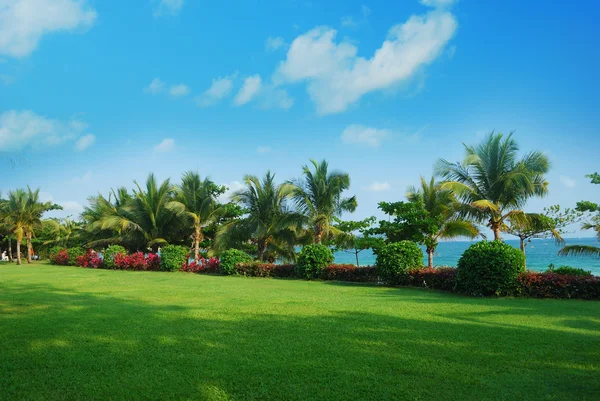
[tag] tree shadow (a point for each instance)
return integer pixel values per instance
(60, 344)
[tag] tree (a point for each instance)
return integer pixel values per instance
(593, 223)
(442, 219)
(348, 241)
(493, 183)
(17, 216)
(35, 211)
(62, 232)
(268, 223)
(318, 196)
(196, 201)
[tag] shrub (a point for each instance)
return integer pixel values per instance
(349, 273)
(53, 252)
(109, 255)
(488, 268)
(135, 261)
(232, 257)
(312, 260)
(74, 253)
(442, 278)
(203, 266)
(398, 258)
(258, 269)
(551, 285)
(60, 258)
(153, 262)
(569, 271)
(173, 257)
(90, 259)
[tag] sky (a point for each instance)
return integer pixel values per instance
(95, 94)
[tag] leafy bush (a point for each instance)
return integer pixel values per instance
(232, 257)
(153, 262)
(258, 269)
(135, 261)
(204, 265)
(398, 258)
(53, 252)
(550, 285)
(489, 268)
(442, 278)
(312, 260)
(74, 253)
(61, 258)
(173, 258)
(349, 273)
(90, 259)
(109, 255)
(569, 271)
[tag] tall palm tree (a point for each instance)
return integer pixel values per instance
(62, 232)
(443, 208)
(318, 196)
(492, 182)
(17, 216)
(196, 201)
(269, 224)
(35, 210)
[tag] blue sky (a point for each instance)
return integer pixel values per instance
(95, 94)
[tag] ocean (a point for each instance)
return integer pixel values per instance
(540, 253)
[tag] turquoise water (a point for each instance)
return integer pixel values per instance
(540, 253)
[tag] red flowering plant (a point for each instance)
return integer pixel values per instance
(90, 259)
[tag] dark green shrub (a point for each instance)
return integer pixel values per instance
(398, 258)
(232, 257)
(53, 253)
(74, 253)
(569, 271)
(489, 268)
(173, 257)
(109, 255)
(312, 259)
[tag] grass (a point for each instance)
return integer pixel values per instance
(72, 333)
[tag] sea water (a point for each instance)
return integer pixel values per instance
(540, 254)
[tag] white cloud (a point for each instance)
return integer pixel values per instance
(232, 188)
(378, 187)
(220, 88)
(249, 90)
(168, 7)
(72, 207)
(83, 179)
(275, 98)
(155, 87)
(366, 11)
(166, 145)
(24, 22)
(85, 142)
(20, 129)
(263, 149)
(349, 22)
(337, 77)
(360, 135)
(567, 181)
(437, 3)
(274, 43)
(179, 90)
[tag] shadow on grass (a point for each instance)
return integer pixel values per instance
(57, 344)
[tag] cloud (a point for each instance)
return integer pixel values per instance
(168, 7)
(20, 129)
(274, 43)
(378, 187)
(72, 207)
(438, 3)
(275, 98)
(166, 145)
(179, 90)
(366, 11)
(263, 149)
(567, 181)
(337, 77)
(220, 88)
(232, 188)
(249, 90)
(83, 179)
(85, 142)
(155, 87)
(360, 135)
(349, 22)
(24, 22)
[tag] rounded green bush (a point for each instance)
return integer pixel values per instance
(109, 253)
(398, 258)
(74, 253)
(312, 260)
(489, 268)
(570, 271)
(173, 257)
(232, 257)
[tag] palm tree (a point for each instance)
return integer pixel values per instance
(492, 182)
(196, 201)
(269, 224)
(443, 208)
(62, 232)
(35, 211)
(318, 196)
(17, 216)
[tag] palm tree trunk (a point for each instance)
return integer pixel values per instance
(318, 234)
(495, 226)
(10, 249)
(261, 245)
(356, 253)
(197, 238)
(29, 247)
(522, 245)
(430, 257)
(18, 252)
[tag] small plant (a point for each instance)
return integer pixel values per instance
(312, 260)
(135, 261)
(173, 258)
(53, 252)
(90, 259)
(489, 268)
(60, 258)
(74, 253)
(398, 258)
(232, 257)
(153, 262)
(568, 271)
(109, 255)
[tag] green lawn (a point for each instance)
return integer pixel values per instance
(71, 333)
